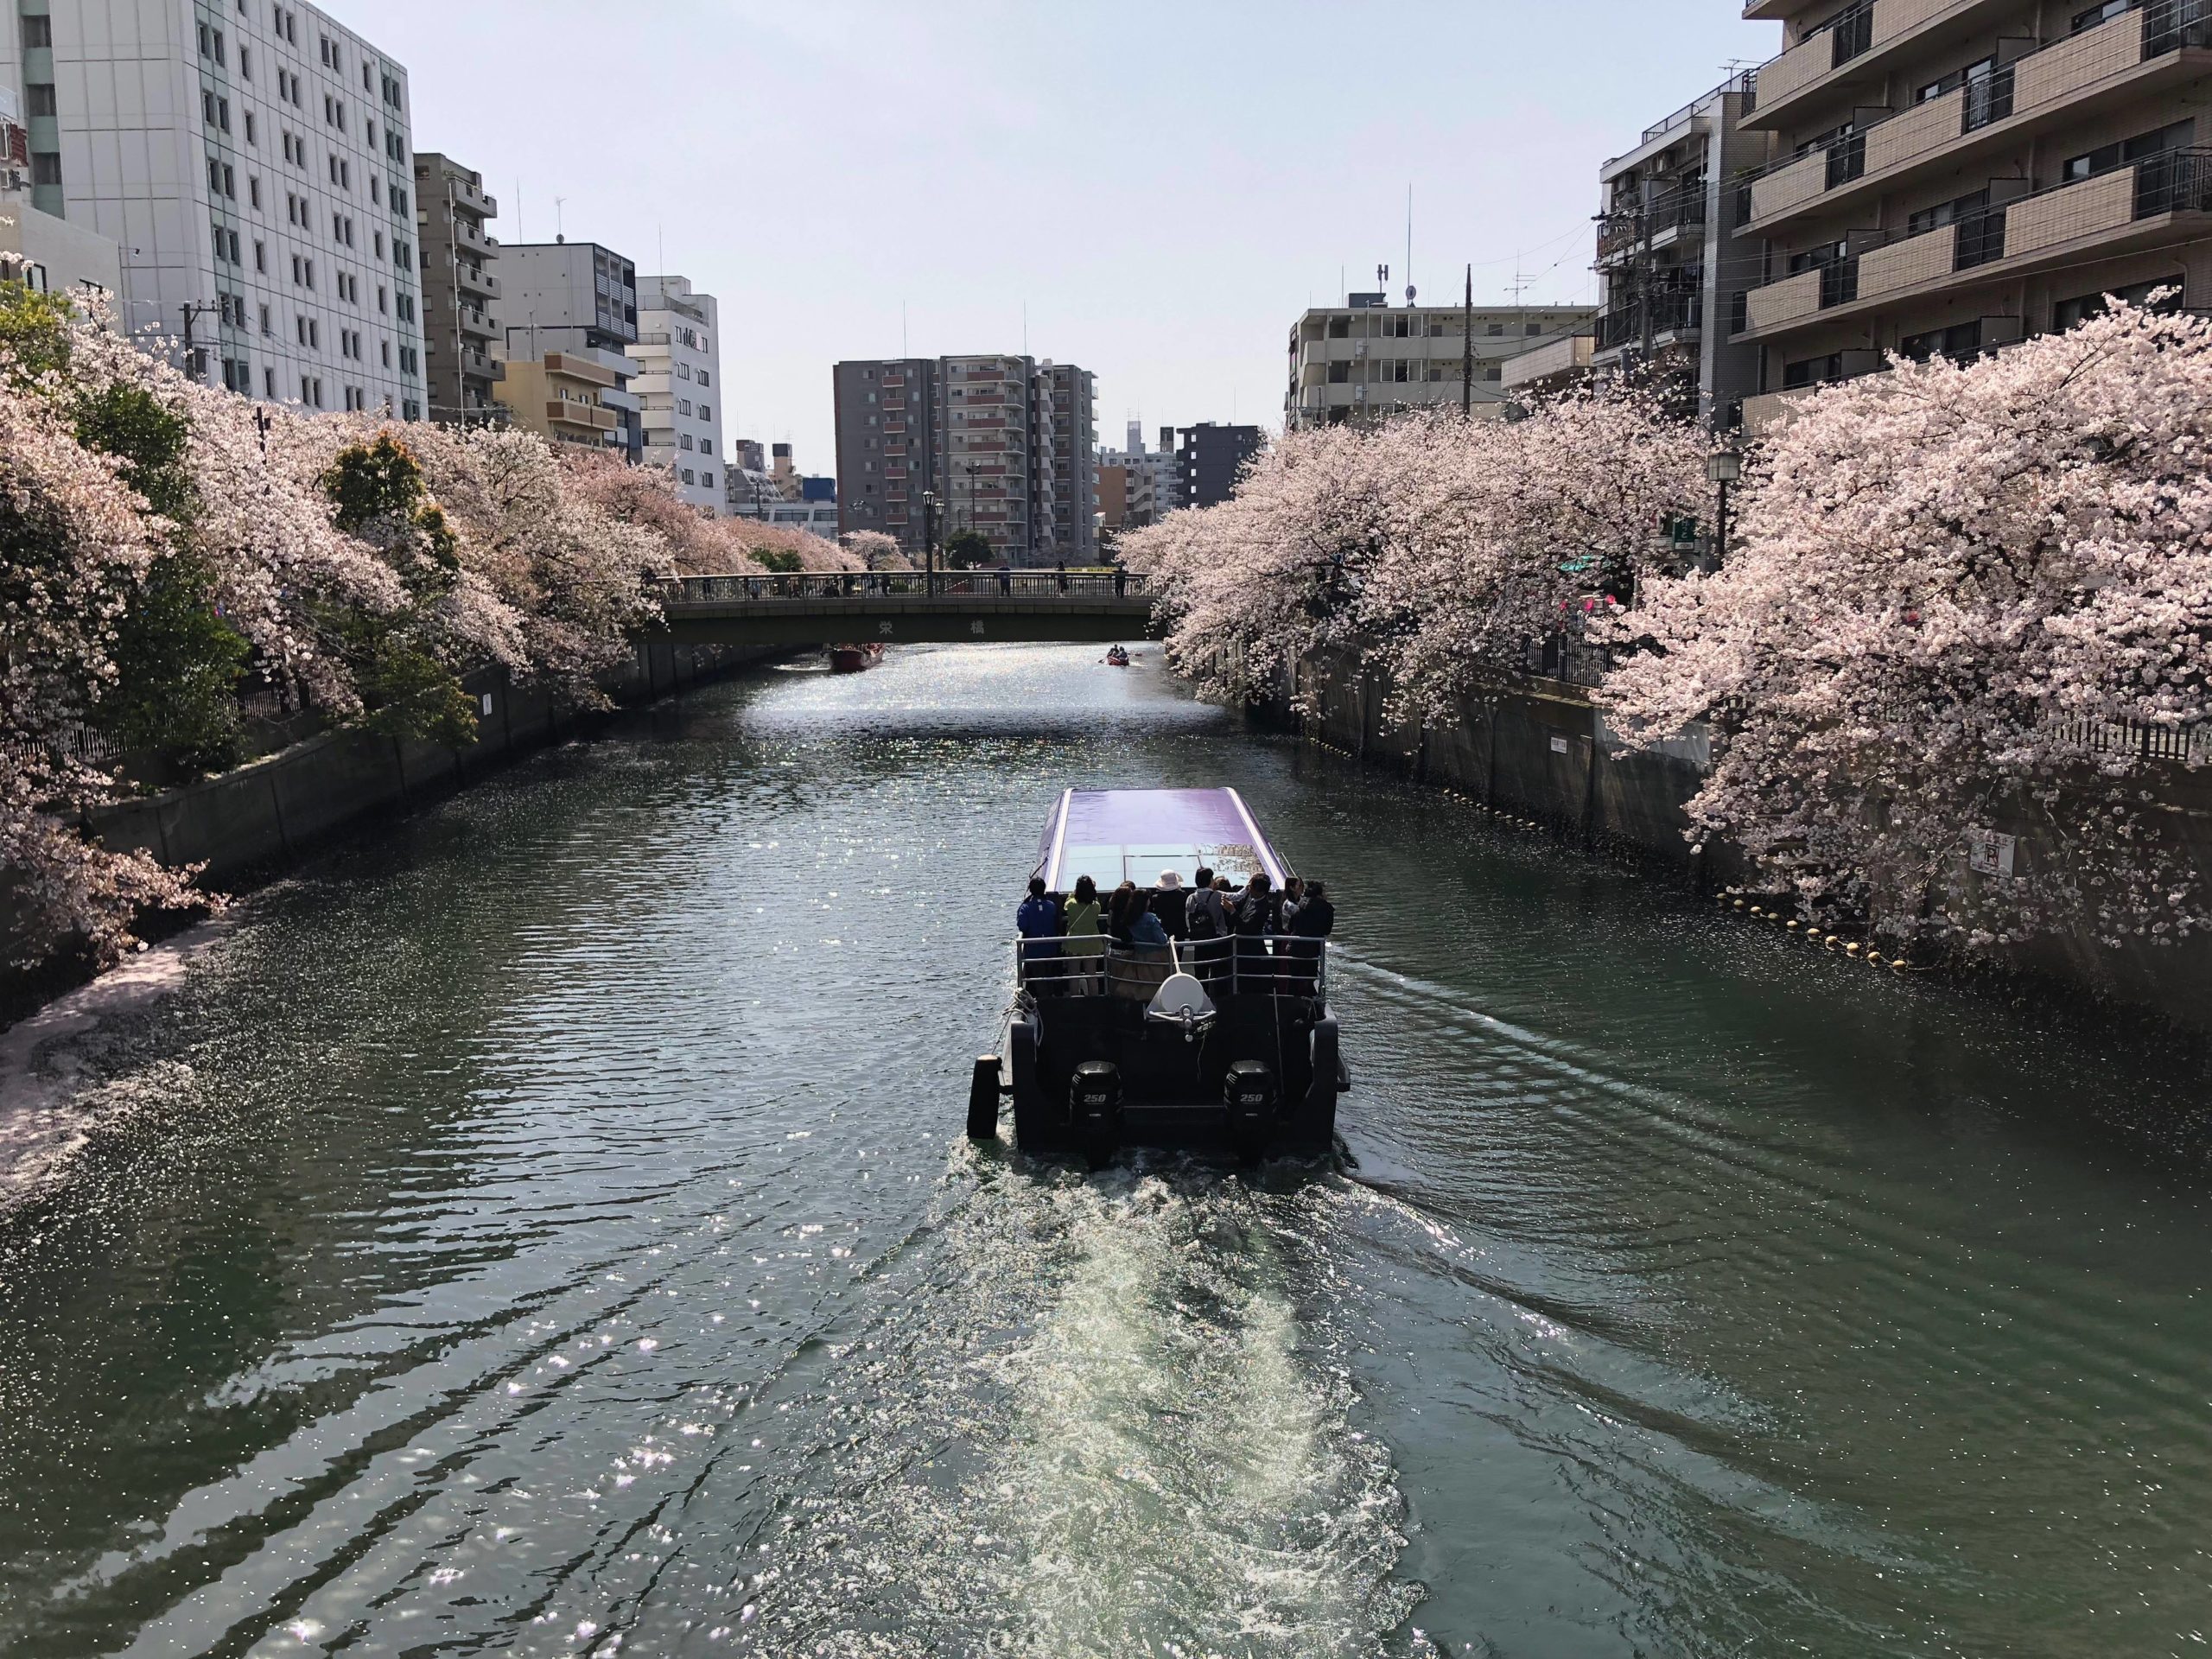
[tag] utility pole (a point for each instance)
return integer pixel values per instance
(1467, 352)
(1643, 268)
(192, 311)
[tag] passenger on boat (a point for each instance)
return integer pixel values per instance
(1170, 904)
(1316, 921)
(1294, 892)
(1254, 919)
(1118, 913)
(1038, 922)
(1082, 940)
(1145, 928)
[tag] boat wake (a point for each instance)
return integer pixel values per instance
(1117, 1422)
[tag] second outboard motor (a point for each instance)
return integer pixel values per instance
(1095, 1109)
(1249, 1093)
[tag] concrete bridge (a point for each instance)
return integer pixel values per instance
(905, 608)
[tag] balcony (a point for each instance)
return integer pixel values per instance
(2102, 69)
(472, 279)
(1860, 43)
(1673, 316)
(2155, 203)
(567, 411)
(479, 366)
(1624, 230)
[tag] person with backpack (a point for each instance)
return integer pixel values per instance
(1038, 921)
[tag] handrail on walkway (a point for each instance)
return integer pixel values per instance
(905, 584)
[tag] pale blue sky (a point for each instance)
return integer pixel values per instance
(1164, 185)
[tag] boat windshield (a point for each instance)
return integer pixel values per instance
(1115, 835)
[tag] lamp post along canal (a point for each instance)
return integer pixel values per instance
(1723, 467)
(929, 541)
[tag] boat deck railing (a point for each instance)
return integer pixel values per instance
(1269, 965)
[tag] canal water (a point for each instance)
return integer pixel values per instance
(544, 1229)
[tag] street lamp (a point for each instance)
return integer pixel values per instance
(1723, 467)
(928, 540)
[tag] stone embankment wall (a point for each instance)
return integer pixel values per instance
(262, 815)
(1542, 750)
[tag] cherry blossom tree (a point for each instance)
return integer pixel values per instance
(876, 550)
(74, 542)
(1966, 601)
(1433, 548)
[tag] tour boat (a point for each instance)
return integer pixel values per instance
(1226, 1044)
(851, 660)
(1118, 658)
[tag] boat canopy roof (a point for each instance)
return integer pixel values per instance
(1114, 835)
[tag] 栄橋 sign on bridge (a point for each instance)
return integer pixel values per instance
(900, 608)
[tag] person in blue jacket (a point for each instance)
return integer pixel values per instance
(1038, 922)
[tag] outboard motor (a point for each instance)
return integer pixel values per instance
(1095, 1109)
(1249, 1093)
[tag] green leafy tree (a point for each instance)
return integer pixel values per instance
(178, 662)
(406, 689)
(967, 550)
(779, 560)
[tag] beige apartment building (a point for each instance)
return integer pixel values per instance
(561, 395)
(1367, 360)
(1949, 175)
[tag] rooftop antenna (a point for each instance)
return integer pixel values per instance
(1409, 244)
(519, 236)
(560, 225)
(904, 349)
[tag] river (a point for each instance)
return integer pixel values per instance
(543, 1227)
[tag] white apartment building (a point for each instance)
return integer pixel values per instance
(679, 349)
(1366, 361)
(252, 161)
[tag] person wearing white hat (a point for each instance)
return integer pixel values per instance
(1168, 900)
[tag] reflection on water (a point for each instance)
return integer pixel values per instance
(544, 1229)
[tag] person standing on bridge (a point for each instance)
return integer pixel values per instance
(1064, 575)
(1121, 582)
(1006, 579)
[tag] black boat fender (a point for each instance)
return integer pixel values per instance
(983, 1100)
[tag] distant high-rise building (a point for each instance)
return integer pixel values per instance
(1068, 459)
(1208, 460)
(1364, 361)
(748, 453)
(576, 301)
(784, 471)
(460, 289)
(679, 353)
(1004, 442)
(887, 446)
(1147, 486)
(253, 165)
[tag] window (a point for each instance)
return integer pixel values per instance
(684, 442)
(1811, 372)
(706, 378)
(1530, 330)
(375, 199)
(268, 380)
(2067, 312)
(1960, 343)
(386, 344)
(381, 305)
(42, 100)
(708, 480)
(1947, 213)
(245, 63)
(1981, 70)
(1339, 373)
(406, 305)
(266, 326)
(1495, 331)
(683, 405)
(2105, 157)
(39, 32)
(253, 191)
(2101, 14)
(706, 411)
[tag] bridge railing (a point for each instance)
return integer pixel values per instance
(904, 584)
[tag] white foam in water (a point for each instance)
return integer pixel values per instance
(1113, 1431)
